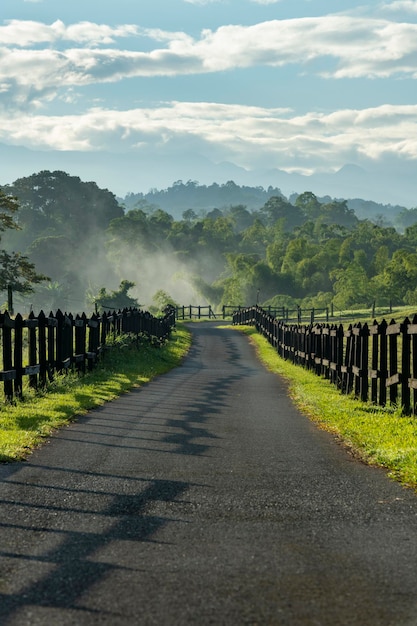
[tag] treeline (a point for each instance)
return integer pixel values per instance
(305, 251)
(191, 195)
(203, 198)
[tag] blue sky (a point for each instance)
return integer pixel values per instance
(304, 86)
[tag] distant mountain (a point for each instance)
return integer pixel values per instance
(140, 172)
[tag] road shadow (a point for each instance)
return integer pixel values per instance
(59, 568)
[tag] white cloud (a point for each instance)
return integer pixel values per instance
(352, 48)
(408, 6)
(249, 136)
(27, 33)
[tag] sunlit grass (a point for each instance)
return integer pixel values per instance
(379, 436)
(26, 423)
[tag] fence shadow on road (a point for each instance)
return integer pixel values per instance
(65, 531)
(62, 556)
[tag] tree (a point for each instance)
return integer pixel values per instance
(309, 204)
(241, 217)
(398, 277)
(277, 208)
(336, 212)
(161, 301)
(67, 205)
(15, 269)
(351, 287)
(52, 255)
(255, 237)
(189, 215)
(406, 218)
(118, 299)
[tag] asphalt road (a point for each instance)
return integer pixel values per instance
(204, 497)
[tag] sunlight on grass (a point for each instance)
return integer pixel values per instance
(25, 424)
(378, 435)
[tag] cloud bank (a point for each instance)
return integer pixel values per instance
(249, 136)
(351, 48)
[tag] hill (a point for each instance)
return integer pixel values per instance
(181, 197)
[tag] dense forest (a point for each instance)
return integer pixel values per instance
(191, 195)
(303, 250)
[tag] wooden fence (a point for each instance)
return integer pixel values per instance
(376, 362)
(194, 312)
(37, 347)
(199, 312)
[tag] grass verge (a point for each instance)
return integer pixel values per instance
(378, 435)
(26, 423)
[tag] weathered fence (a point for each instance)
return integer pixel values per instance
(199, 312)
(376, 362)
(285, 314)
(194, 312)
(37, 347)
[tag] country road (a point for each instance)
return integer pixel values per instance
(204, 497)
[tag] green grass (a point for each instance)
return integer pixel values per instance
(25, 424)
(378, 436)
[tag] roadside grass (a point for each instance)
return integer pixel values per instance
(380, 436)
(26, 423)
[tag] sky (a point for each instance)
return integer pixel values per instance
(195, 88)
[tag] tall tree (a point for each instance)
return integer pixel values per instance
(65, 204)
(15, 269)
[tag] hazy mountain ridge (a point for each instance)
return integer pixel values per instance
(181, 197)
(138, 172)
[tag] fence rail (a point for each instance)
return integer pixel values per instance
(37, 347)
(376, 362)
(194, 312)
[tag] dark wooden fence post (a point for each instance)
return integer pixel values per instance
(326, 351)
(363, 363)
(413, 381)
(405, 367)
(373, 372)
(347, 378)
(32, 325)
(52, 343)
(383, 363)
(394, 378)
(43, 358)
(59, 341)
(94, 338)
(8, 374)
(80, 324)
(18, 356)
(69, 340)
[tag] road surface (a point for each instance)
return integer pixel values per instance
(204, 497)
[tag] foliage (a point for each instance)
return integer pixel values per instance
(64, 204)
(161, 301)
(16, 269)
(191, 195)
(114, 300)
(305, 250)
(61, 222)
